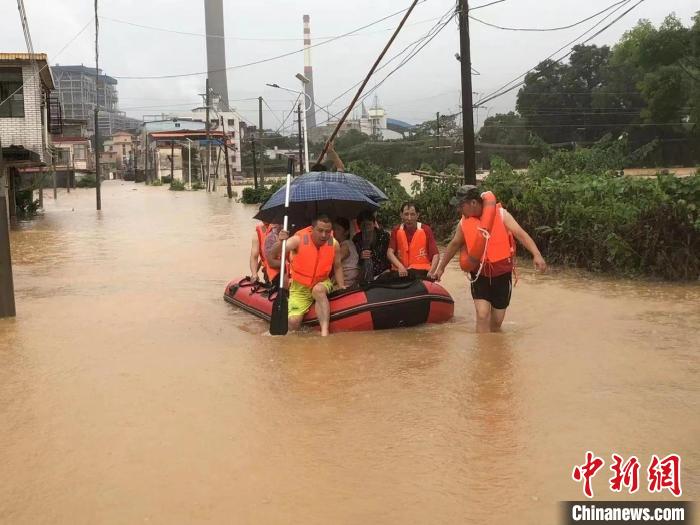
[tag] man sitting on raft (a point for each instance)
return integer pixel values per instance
(314, 253)
(412, 249)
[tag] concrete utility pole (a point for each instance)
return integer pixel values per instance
(206, 127)
(172, 161)
(301, 152)
(467, 102)
(260, 136)
(255, 167)
(7, 289)
(229, 191)
(98, 193)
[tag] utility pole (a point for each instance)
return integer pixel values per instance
(172, 162)
(7, 289)
(467, 102)
(145, 160)
(301, 152)
(53, 173)
(98, 194)
(438, 129)
(255, 167)
(206, 127)
(229, 191)
(260, 136)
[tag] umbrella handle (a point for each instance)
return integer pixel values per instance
(284, 227)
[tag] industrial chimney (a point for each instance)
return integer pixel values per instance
(216, 50)
(309, 73)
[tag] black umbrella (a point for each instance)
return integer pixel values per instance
(348, 179)
(309, 198)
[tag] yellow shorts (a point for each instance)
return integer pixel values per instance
(301, 298)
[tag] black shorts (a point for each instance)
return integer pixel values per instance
(495, 290)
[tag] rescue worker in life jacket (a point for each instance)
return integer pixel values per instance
(314, 253)
(412, 248)
(491, 289)
(260, 257)
(257, 252)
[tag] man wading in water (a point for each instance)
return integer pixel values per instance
(491, 288)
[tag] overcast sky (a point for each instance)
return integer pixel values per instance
(258, 29)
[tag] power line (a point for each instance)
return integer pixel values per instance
(544, 29)
(413, 45)
(47, 62)
(606, 125)
(407, 59)
(264, 60)
(252, 39)
(503, 90)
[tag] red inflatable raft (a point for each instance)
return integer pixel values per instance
(373, 307)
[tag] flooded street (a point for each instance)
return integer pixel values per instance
(130, 392)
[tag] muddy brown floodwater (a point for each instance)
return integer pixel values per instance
(130, 392)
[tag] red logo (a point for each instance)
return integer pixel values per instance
(665, 474)
(586, 472)
(626, 475)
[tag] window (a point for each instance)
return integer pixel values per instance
(232, 123)
(79, 152)
(11, 81)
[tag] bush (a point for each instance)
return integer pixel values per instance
(261, 194)
(177, 185)
(88, 181)
(157, 182)
(27, 205)
(197, 186)
(582, 213)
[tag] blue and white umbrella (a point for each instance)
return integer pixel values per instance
(348, 179)
(309, 198)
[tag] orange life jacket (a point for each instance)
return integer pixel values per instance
(414, 255)
(500, 247)
(272, 273)
(311, 264)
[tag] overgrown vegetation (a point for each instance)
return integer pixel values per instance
(584, 213)
(177, 185)
(88, 181)
(156, 182)
(580, 209)
(27, 205)
(261, 194)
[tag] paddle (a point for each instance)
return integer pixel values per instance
(279, 322)
(367, 267)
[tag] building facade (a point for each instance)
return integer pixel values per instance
(79, 93)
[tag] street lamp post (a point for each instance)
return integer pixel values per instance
(304, 81)
(189, 161)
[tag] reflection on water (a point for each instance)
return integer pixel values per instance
(129, 391)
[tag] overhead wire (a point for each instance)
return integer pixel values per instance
(417, 47)
(507, 88)
(264, 60)
(546, 29)
(73, 39)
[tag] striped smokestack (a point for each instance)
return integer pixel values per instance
(309, 73)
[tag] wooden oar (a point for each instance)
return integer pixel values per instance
(279, 322)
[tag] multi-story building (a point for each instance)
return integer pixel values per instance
(160, 132)
(78, 94)
(25, 118)
(122, 144)
(24, 109)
